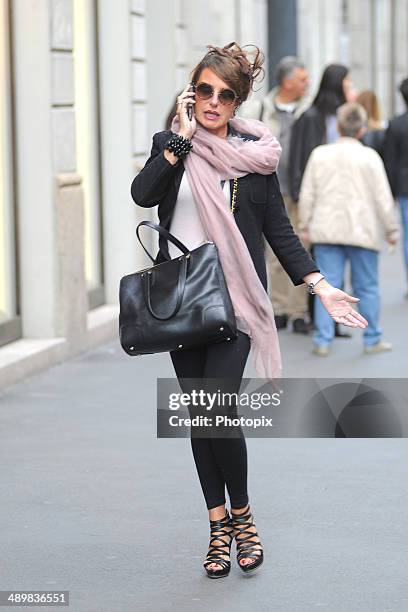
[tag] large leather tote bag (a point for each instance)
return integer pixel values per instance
(176, 304)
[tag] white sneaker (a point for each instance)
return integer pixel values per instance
(380, 347)
(321, 351)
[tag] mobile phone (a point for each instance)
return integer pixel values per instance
(190, 107)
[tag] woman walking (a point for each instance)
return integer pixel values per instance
(317, 126)
(374, 137)
(213, 178)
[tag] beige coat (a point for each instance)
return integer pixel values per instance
(251, 109)
(345, 197)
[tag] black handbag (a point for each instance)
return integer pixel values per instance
(176, 304)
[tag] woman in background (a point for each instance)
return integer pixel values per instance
(316, 126)
(375, 134)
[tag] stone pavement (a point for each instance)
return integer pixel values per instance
(346, 358)
(92, 502)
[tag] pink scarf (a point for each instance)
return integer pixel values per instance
(211, 160)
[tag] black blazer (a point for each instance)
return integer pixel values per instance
(395, 154)
(260, 211)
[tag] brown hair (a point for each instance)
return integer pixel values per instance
(369, 101)
(232, 64)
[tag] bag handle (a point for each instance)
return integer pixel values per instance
(181, 284)
(163, 232)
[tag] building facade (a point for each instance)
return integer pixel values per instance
(84, 85)
(369, 36)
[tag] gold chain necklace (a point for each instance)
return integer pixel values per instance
(234, 196)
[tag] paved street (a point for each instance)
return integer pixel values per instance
(346, 357)
(93, 503)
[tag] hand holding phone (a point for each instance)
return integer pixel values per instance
(185, 111)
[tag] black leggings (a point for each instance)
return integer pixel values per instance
(219, 461)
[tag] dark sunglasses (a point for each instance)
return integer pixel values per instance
(204, 91)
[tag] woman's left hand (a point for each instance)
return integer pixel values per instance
(338, 305)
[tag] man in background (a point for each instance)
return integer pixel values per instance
(279, 109)
(395, 154)
(345, 208)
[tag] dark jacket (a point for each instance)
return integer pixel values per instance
(395, 154)
(260, 210)
(308, 132)
(375, 139)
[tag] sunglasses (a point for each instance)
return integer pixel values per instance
(204, 91)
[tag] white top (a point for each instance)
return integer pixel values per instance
(186, 223)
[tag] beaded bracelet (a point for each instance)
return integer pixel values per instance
(179, 145)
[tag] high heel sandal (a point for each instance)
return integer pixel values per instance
(246, 548)
(220, 531)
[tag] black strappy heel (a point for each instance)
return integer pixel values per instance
(220, 531)
(245, 547)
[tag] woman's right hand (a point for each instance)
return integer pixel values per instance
(187, 126)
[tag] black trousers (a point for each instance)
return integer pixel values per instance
(221, 462)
